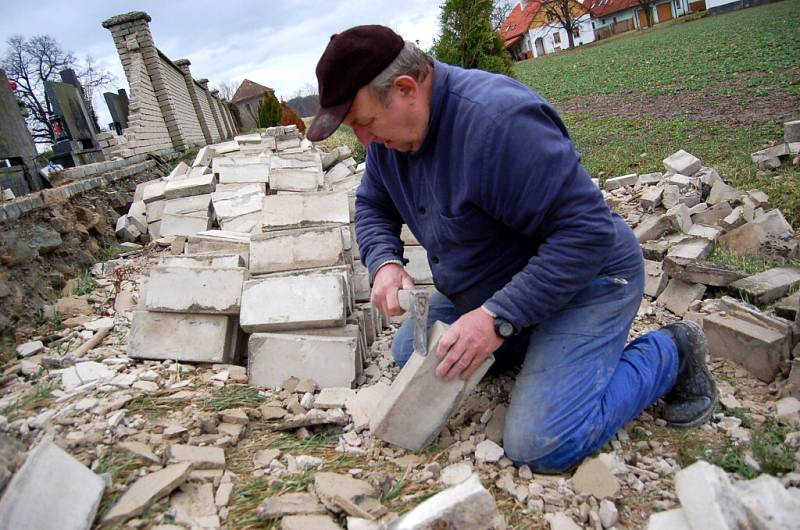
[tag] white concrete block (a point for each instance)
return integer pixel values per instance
(153, 191)
(293, 302)
(183, 225)
(182, 337)
(291, 210)
(329, 360)
(51, 491)
(418, 266)
(682, 163)
(195, 290)
(302, 248)
(191, 185)
(193, 262)
(196, 204)
(251, 173)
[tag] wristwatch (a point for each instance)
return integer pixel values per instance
(504, 328)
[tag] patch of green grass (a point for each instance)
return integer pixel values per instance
(770, 449)
(37, 397)
(233, 396)
(344, 135)
(85, 283)
(681, 58)
(614, 145)
(187, 157)
(109, 252)
(154, 406)
(8, 347)
(247, 495)
(747, 264)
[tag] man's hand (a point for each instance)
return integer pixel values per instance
(389, 279)
(468, 342)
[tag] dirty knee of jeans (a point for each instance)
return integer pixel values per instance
(541, 454)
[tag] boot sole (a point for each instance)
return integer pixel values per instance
(707, 414)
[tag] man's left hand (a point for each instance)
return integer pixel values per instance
(466, 344)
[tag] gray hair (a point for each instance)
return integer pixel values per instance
(411, 61)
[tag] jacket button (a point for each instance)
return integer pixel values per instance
(435, 259)
(422, 210)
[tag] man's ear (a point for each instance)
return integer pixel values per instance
(406, 85)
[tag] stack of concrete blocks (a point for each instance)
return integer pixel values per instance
(188, 310)
(299, 303)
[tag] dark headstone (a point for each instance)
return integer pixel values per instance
(16, 145)
(118, 107)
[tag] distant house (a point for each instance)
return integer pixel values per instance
(529, 32)
(246, 99)
(610, 17)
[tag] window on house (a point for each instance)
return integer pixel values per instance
(603, 22)
(557, 38)
(615, 20)
(576, 32)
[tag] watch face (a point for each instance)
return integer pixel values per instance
(506, 329)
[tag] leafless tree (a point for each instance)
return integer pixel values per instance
(647, 7)
(227, 89)
(31, 62)
(562, 14)
(500, 12)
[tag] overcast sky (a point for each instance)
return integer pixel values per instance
(273, 42)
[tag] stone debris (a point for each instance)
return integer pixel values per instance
(178, 351)
(47, 480)
(146, 491)
(290, 504)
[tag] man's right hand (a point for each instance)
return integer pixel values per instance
(388, 280)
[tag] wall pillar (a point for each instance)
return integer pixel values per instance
(183, 64)
(221, 107)
(214, 110)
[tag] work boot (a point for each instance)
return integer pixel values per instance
(693, 398)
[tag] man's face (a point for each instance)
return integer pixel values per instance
(398, 125)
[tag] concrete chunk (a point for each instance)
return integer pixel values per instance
(419, 403)
(183, 225)
(620, 182)
(329, 360)
(293, 302)
(758, 348)
(290, 504)
(705, 272)
(652, 228)
(679, 296)
(224, 261)
(466, 506)
(713, 215)
(198, 457)
(195, 290)
(250, 173)
(748, 239)
(147, 490)
(49, 478)
(682, 163)
(181, 337)
(308, 522)
(191, 185)
(302, 248)
(692, 248)
(294, 210)
(768, 286)
(654, 280)
(708, 498)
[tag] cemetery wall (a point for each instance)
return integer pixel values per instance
(205, 110)
(51, 236)
(163, 114)
(175, 89)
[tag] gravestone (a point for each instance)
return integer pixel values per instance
(75, 134)
(18, 170)
(118, 107)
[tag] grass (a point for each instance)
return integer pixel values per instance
(27, 404)
(747, 264)
(233, 396)
(85, 283)
(750, 55)
(344, 135)
(109, 252)
(757, 44)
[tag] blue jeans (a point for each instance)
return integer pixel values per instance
(579, 382)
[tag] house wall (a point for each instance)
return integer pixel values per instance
(248, 112)
(163, 116)
(548, 35)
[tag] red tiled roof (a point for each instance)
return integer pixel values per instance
(602, 8)
(249, 89)
(519, 20)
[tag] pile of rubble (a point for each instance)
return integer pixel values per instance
(317, 364)
(770, 158)
(680, 217)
